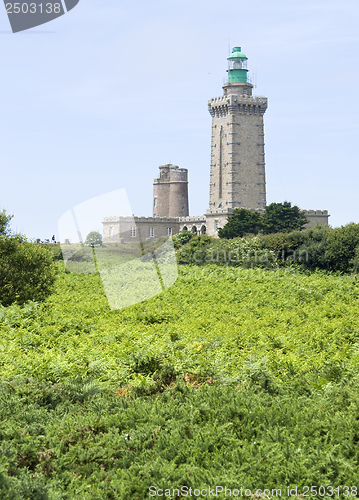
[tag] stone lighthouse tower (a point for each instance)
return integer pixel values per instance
(170, 192)
(237, 177)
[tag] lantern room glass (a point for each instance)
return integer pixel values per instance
(237, 64)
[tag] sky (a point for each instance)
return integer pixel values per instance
(98, 99)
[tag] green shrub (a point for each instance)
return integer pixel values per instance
(195, 250)
(82, 255)
(149, 246)
(318, 247)
(182, 238)
(354, 262)
(56, 251)
(306, 248)
(27, 271)
(283, 244)
(342, 244)
(245, 252)
(194, 434)
(311, 254)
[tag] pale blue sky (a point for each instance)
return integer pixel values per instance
(99, 98)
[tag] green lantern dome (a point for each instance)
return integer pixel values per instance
(237, 66)
(237, 54)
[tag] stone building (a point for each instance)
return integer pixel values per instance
(170, 192)
(237, 170)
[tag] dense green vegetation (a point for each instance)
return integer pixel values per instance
(236, 377)
(282, 217)
(242, 221)
(276, 218)
(319, 247)
(4, 223)
(27, 271)
(241, 375)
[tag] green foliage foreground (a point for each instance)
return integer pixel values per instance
(318, 247)
(27, 271)
(248, 382)
(277, 217)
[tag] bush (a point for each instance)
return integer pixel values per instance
(55, 251)
(27, 271)
(318, 247)
(82, 255)
(195, 250)
(311, 253)
(354, 262)
(280, 243)
(182, 238)
(245, 252)
(306, 248)
(342, 244)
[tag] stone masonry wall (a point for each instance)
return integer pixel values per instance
(146, 228)
(170, 192)
(237, 177)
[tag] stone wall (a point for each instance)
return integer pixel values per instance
(237, 177)
(138, 229)
(121, 229)
(317, 217)
(195, 224)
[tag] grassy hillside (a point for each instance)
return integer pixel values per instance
(231, 377)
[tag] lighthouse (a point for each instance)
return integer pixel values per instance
(237, 171)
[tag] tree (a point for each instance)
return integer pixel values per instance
(93, 239)
(4, 223)
(342, 248)
(283, 218)
(241, 222)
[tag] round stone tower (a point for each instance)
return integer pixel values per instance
(170, 192)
